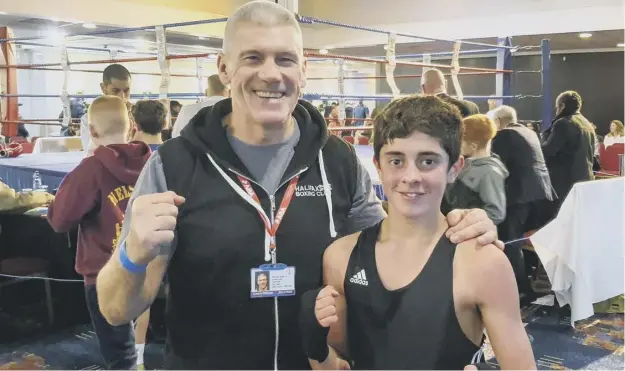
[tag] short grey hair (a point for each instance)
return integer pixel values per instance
(261, 13)
(505, 114)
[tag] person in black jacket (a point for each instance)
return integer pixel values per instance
(253, 182)
(570, 146)
(528, 187)
(433, 82)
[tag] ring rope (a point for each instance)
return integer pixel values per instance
(307, 54)
(415, 64)
(120, 30)
(309, 96)
(394, 76)
(105, 61)
(311, 20)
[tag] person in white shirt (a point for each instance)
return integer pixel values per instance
(616, 134)
(215, 92)
(116, 80)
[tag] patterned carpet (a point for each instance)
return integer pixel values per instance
(596, 343)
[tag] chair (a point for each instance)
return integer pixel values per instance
(25, 268)
(28, 147)
(527, 245)
(608, 157)
(363, 141)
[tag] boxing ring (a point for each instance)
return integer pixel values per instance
(17, 172)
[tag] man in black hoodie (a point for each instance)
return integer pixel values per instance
(253, 182)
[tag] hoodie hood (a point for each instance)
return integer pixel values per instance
(123, 161)
(207, 133)
(492, 161)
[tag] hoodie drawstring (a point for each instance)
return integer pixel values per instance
(250, 201)
(328, 192)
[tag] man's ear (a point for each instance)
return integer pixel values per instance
(455, 169)
(304, 71)
(376, 163)
(103, 88)
(222, 70)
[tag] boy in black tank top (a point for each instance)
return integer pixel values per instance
(401, 295)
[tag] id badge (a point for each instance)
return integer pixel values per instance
(272, 280)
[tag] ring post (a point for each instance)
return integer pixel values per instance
(545, 51)
(504, 62)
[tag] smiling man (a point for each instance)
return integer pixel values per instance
(228, 198)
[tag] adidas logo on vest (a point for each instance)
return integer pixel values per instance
(360, 278)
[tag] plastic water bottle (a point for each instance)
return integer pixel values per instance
(36, 181)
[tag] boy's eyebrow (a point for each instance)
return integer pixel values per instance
(424, 153)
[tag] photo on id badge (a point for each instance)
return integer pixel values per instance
(272, 280)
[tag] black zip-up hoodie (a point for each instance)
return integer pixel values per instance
(212, 321)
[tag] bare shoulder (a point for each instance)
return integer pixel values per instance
(487, 268)
(335, 260)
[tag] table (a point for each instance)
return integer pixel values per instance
(582, 249)
(17, 172)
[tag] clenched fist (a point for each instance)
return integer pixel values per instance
(152, 223)
(325, 306)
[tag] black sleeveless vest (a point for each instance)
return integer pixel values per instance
(414, 327)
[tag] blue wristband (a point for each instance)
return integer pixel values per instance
(127, 263)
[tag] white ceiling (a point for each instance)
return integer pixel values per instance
(446, 19)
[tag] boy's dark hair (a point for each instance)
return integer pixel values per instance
(423, 113)
(150, 116)
(115, 71)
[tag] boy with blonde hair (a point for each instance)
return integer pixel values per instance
(481, 183)
(93, 197)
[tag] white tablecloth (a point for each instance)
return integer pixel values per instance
(582, 250)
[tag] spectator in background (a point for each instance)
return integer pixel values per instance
(528, 189)
(569, 148)
(361, 112)
(116, 80)
(433, 83)
(480, 183)
(616, 134)
(215, 92)
(150, 118)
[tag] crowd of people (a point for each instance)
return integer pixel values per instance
(206, 211)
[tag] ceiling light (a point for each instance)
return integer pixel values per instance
(585, 35)
(54, 19)
(201, 37)
(3, 13)
(323, 51)
(621, 45)
(89, 25)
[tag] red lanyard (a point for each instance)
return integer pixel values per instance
(272, 228)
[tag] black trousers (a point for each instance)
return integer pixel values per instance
(513, 228)
(117, 343)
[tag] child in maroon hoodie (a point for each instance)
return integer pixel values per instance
(93, 197)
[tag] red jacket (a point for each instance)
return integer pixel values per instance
(94, 196)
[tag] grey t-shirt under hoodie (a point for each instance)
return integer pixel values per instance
(480, 184)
